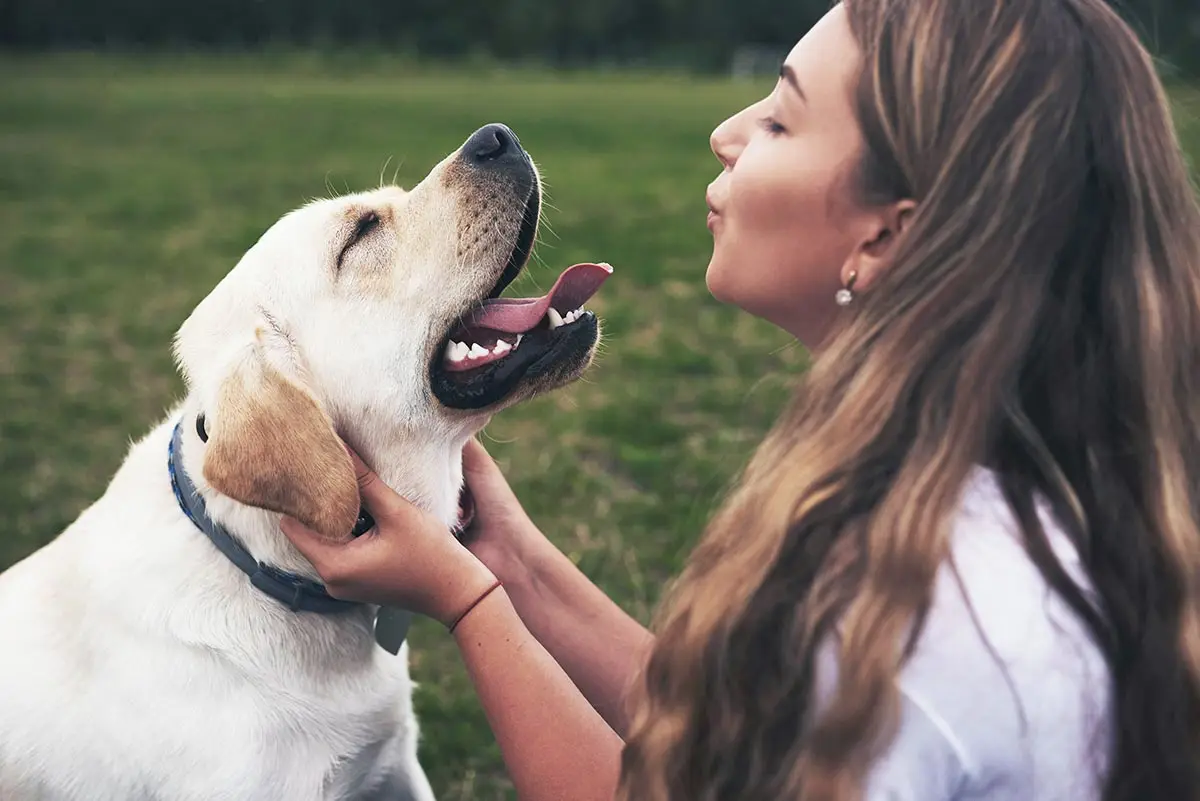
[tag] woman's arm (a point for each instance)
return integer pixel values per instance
(554, 743)
(601, 647)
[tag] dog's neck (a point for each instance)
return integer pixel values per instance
(421, 465)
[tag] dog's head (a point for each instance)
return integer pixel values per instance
(380, 309)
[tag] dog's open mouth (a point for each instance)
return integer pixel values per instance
(504, 340)
(502, 326)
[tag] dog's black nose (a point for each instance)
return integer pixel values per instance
(493, 146)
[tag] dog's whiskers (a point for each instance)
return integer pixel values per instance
(486, 433)
(383, 169)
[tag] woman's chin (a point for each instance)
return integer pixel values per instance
(720, 286)
(727, 284)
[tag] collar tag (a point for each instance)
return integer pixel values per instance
(391, 628)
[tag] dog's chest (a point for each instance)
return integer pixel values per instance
(293, 741)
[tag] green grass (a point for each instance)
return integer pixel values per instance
(129, 187)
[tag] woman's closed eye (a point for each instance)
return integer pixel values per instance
(365, 224)
(772, 126)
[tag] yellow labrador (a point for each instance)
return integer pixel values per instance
(171, 645)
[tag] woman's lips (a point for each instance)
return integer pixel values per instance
(711, 201)
(714, 213)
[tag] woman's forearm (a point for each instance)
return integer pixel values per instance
(600, 647)
(556, 746)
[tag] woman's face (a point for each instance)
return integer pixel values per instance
(785, 217)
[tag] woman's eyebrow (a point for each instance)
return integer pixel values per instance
(788, 74)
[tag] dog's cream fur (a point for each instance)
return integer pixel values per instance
(136, 662)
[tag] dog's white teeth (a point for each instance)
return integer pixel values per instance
(518, 342)
(459, 351)
(570, 318)
(556, 319)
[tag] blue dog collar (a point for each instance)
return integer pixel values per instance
(295, 592)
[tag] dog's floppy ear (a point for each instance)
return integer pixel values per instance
(272, 446)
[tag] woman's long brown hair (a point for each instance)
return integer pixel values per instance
(1041, 316)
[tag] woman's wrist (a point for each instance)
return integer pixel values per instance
(515, 558)
(462, 587)
(495, 585)
(472, 622)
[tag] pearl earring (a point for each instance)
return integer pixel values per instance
(846, 293)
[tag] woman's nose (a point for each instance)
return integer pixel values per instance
(725, 142)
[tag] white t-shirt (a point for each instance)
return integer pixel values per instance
(1010, 703)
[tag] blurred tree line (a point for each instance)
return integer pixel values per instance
(703, 34)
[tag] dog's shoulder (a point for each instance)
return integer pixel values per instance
(150, 648)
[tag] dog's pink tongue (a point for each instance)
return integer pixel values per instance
(573, 288)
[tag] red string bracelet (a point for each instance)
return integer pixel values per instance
(495, 585)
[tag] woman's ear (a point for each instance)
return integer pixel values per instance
(272, 446)
(883, 229)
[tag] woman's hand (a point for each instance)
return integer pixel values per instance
(502, 536)
(409, 559)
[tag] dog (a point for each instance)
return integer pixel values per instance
(171, 644)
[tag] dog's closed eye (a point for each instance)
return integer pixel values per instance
(367, 222)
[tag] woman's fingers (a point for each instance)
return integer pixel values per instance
(484, 477)
(337, 562)
(477, 462)
(377, 497)
(329, 559)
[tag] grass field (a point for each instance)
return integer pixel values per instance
(129, 187)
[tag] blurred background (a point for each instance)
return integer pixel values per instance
(710, 35)
(144, 146)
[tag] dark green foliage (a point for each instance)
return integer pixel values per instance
(694, 33)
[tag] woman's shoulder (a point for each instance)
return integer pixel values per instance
(991, 581)
(1004, 670)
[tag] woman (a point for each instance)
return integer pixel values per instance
(966, 561)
